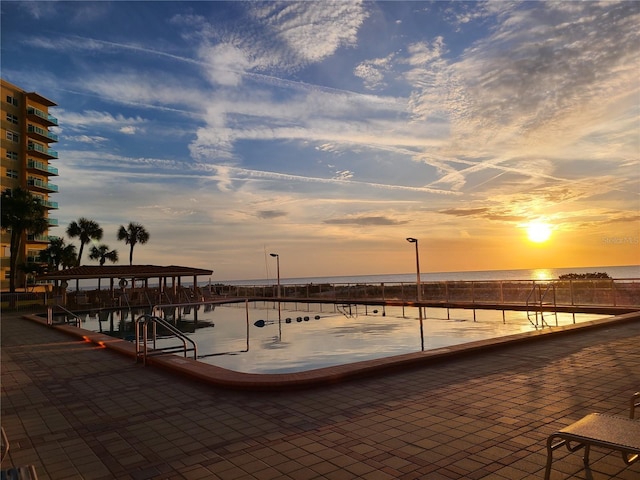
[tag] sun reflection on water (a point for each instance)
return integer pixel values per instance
(543, 274)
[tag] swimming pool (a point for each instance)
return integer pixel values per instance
(259, 338)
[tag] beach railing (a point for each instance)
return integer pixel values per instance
(583, 292)
(569, 292)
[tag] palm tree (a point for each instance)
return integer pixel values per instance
(86, 230)
(22, 213)
(57, 253)
(134, 233)
(69, 258)
(103, 254)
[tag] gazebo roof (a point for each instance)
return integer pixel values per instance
(124, 271)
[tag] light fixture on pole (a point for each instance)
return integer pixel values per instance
(277, 257)
(419, 290)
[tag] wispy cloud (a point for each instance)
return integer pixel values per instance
(365, 220)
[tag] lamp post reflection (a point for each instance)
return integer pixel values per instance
(277, 257)
(419, 290)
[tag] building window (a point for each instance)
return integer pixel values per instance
(13, 136)
(12, 155)
(12, 119)
(12, 173)
(12, 100)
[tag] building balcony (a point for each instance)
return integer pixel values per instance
(38, 238)
(41, 186)
(53, 222)
(49, 204)
(37, 149)
(41, 117)
(41, 167)
(41, 134)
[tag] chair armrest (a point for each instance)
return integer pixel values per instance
(5, 444)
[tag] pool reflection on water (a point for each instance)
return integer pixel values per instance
(307, 336)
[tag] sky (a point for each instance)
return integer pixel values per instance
(329, 132)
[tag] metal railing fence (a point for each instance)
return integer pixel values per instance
(596, 292)
(581, 292)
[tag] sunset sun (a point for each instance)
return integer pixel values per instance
(538, 232)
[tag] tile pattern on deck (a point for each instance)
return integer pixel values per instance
(78, 411)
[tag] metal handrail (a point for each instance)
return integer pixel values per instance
(146, 294)
(552, 287)
(538, 303)
(126, 299)
(142, 347)
(69, 312)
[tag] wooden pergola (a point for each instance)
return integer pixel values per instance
(128, 275)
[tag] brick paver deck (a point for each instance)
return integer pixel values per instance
(78, 411)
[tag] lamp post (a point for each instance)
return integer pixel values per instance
(418, 286)
(419, 289)
(277, 257)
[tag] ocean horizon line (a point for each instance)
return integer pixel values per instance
(614, 271)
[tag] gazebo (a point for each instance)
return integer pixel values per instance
(128, 275)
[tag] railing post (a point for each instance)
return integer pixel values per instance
(571, 290)
(144, 342)
(137, 332)
(49, 315)
(613, 288)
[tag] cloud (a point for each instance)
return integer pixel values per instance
(365, 221)
(373, 78)
(92, 139)
(128, 130)
(270, 214)
(77, 43)
(343, 175)
(465, 212)
(39, 9)
(93, 117)
(146, 90)
(373, 72)
(224, 64)
(309, 32)
(526, 85)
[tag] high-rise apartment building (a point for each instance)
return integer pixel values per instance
(26, 162)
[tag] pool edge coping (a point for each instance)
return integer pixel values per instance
(222, 377)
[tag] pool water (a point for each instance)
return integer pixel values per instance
(257, 338)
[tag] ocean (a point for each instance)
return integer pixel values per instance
(618, 272)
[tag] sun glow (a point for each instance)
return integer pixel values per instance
(538, 232)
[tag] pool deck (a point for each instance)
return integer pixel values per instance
(77, 410)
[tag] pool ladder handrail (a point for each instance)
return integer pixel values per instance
(142, 347)
(539, 303)
(68, 312)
